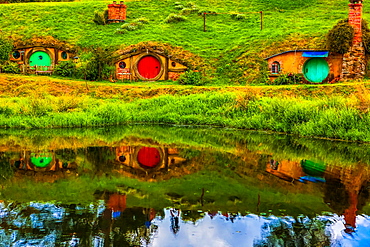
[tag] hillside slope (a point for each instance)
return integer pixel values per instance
(229, 44)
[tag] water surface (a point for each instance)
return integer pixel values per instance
(179, 186)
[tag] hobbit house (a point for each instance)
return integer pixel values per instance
(148, 64)
(316, 66)
(325, 66)
(38, 58)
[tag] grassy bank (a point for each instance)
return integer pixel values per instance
(337, 111)
(335, 116)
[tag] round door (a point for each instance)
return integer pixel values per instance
(40, 58)
(316, 69)
(149, 67)
(148, 157)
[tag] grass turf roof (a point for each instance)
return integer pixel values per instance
(72, 22)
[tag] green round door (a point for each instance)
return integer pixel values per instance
(316, 69)
(40, 58)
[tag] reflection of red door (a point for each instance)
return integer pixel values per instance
(148, 157)
(149, 67)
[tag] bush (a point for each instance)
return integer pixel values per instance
(6, 46)
(66, 69)
(98, 65)
(187, 11)
(134, 25)
(289, 78)
(174, 18)
(10, 67)
(238, 16)
(101, 18)
(365, 35)
(339, 38)
(179, 6)
(191, 78)
(207, 11)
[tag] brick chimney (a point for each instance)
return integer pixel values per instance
(354, 63)
(116, 12)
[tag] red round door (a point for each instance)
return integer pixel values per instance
(148, 157)
(149, 67)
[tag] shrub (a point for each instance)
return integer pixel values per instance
(207, 11)
(289, 78)
(134, 25)
(101, 18)
(174, 18)
(98, 66)
(10, 67)
(131, 26)
(143, 20)
(238, 16)
(191, 78)
(66, 68)
(186, 11)
(339, 38)
(6, 47)
(179, 6)
(121, 31)
(365, 35)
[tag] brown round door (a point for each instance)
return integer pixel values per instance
(149, 67)
(148, 157)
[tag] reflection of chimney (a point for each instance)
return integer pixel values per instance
(116, 12)
(354, 64)
(350, 213)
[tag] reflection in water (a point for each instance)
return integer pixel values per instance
(55, 225)
(149, 191)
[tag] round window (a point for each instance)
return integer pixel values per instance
(64, 55)
(16, 55)
(122, 65)
(173, 64)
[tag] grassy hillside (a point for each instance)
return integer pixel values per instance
(230, 45)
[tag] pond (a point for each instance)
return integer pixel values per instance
(143, 185)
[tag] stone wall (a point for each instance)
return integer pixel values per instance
(354, 61)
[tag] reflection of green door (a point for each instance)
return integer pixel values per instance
(41, 160)
(40, 58)
(316, 69)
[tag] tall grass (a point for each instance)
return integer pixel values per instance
(332, 117)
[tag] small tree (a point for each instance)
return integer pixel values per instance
(339, 38)
(99, 65)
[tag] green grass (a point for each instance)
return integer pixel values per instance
(333, 117)
(228, 43)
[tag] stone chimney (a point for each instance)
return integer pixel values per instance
(116, 12)
(354, 62)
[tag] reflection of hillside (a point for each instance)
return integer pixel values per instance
(226, 140)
